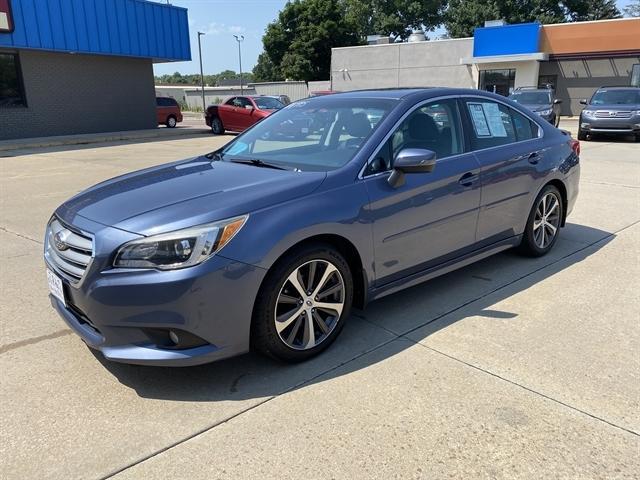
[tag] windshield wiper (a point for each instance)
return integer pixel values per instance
(258, 163)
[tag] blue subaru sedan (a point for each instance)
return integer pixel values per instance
(329, 203)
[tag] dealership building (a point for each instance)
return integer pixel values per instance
(77, 66)
(575, 58)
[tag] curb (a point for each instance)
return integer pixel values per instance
(85, 139)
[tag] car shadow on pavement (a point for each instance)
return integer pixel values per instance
(421, 310)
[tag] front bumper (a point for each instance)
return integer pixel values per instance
(611, 126)
(128, 314)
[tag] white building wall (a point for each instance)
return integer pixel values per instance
(294, 90)
(422, 64)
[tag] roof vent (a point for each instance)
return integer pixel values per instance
(378, 39)
(495, 23)
(417, 36)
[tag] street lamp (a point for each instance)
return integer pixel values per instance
(204, 105)
(240, 39)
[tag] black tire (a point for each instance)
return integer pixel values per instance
(171, 122)
(530, 245)
(582, 136)
(637, 137)
(217, 128)
(264, 335)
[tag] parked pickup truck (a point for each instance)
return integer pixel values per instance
(239, 113)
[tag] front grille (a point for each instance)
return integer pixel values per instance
(609, 114)
(68, 251)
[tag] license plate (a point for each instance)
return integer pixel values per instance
(55, 286)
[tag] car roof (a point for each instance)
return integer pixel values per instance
(414, 92)
(522, 90)
(619, 87)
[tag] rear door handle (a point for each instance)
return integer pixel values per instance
(468, 179)
(534, 158)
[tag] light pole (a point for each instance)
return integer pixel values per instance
(240, 39)
(204, 105)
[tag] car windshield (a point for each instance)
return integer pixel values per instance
(531, 98)
(616, 97)
(268, 103)
(311, 135)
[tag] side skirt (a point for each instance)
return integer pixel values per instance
(444, 268)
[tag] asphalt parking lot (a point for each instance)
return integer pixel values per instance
(509, 368)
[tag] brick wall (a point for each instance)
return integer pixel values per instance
(69, 94)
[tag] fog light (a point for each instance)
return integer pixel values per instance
(173, 336)
(637, 125)
(585, 125)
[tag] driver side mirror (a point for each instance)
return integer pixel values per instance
(583, 101)
(557, 101)
(249, 107)
(411, 160)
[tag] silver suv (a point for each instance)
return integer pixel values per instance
(542, 101)
(612, 111)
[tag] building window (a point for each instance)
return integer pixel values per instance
(545, 80)
(498, 81)
(11, 88)
(635, 75)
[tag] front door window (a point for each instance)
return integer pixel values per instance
(498, 81)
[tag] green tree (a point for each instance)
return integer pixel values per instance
(586, 10)
(633, 9)
(462, 16)
(397, 18)
(265, 70)
(297, 45)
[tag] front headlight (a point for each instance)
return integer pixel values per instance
(544, 113)
(588, 113)
(179, 249)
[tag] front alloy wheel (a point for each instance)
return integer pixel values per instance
(303, 303)
(309, 305)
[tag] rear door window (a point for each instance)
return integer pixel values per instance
(242, 102)
(494, 124)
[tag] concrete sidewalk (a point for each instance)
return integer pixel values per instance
(511, 368)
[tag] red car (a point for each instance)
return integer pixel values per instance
(239, 113)
(168, 111)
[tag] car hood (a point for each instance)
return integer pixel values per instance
(537, 108)
(186, 193)
(614, 107)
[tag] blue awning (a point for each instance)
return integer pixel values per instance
(132, 28)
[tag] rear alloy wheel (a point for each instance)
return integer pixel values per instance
(543, 224)
(216, 126)
(172, 122)
(303, 305)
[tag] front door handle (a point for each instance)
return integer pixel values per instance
(468, 179)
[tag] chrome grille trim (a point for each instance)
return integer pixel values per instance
(74, 257)
(614, 114)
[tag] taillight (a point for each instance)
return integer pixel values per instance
(575, 146)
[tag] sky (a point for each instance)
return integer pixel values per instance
(220, 20)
